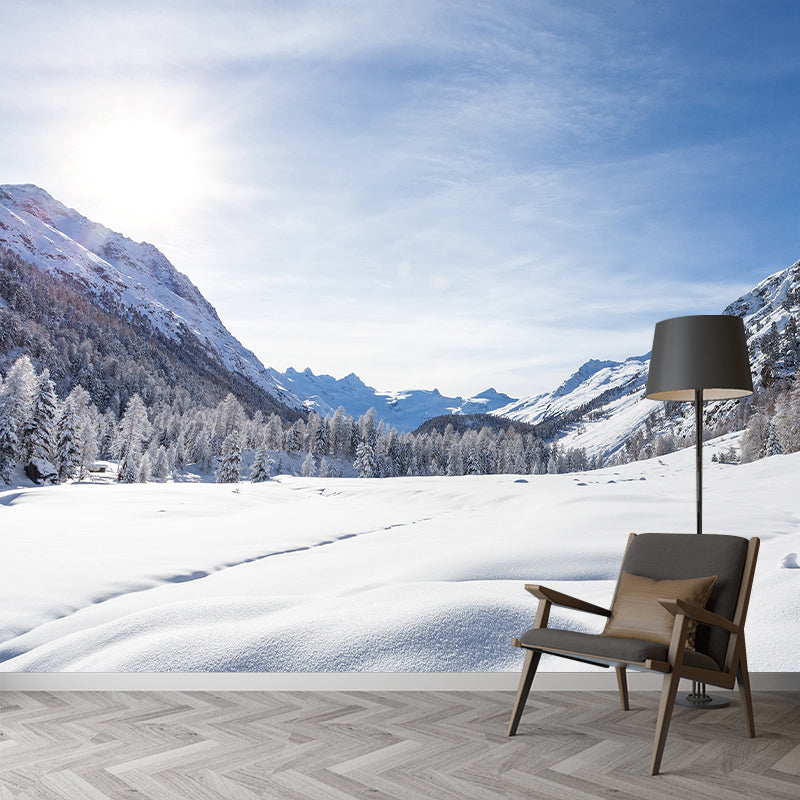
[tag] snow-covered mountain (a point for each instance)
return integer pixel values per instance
(771, 313)
(404, 410)
(122, 273)
(603, 403)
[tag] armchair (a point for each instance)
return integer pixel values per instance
(679, 609)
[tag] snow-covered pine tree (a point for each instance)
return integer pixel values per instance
(9, 442)
(16, 407)
(368, 428)
(39, 433)
(254, 429)
(787, 419)
(134, 430)
(145, 470)
(68, 457)
(230, 459)
(754, 438)
(340, 432)
(309, 468)
(320, 445)
(262, 466)
(773, 445)
(472, 464)
(455, 463)
(202, 454)
(86, 415)
(274, 432)
(364, 464)
(161, 464)
(230, 417)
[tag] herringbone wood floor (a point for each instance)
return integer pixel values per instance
(399, 746)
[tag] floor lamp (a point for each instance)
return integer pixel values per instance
(699, 358)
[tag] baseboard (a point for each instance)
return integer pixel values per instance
(352, 681)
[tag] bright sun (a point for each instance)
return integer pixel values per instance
(141, 167)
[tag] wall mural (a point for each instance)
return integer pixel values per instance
(450, 195)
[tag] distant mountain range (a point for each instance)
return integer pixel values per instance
(598, 407)
(404, 410)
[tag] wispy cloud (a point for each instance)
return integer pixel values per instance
(452, 193)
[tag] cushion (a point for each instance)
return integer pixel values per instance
(687, 555)
(637, 614)
(605, 650)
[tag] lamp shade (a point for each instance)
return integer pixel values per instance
(707, 352)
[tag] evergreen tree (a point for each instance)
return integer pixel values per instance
(40, 434)
(368, 428)
(130, 465)
(274, 433)
(773, 446)
(340, 433)
(262, 466)
(754, 438)
(455, 463)
(230, 417)
(364, 464)
(68, 457)
(161, 464)
(320, 444)
(16, 406)
(309, 468)
(230, 459)
(85, 427)
(134, 430)
(787, 420)
(143, 475)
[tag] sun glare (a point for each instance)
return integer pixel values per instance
(142, 167)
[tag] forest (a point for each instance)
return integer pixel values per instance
(178, 433)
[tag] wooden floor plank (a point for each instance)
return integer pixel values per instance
(386, 746)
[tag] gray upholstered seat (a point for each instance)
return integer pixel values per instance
(724, 565)
(606, 650)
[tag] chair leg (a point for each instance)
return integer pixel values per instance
(743, 679)
(525, 680)
(622, 684)
(669, 689)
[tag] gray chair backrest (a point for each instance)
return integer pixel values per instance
(663, 556)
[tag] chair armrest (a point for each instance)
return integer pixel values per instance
(565, 600)
(695, 612)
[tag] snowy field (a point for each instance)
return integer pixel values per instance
(406, 574)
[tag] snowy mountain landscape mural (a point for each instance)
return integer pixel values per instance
(216, 515)
(325, 326)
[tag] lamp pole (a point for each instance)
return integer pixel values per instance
(698, 424)
(699, 698)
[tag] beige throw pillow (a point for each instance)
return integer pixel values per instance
(637, 614)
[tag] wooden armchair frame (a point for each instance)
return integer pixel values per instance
(733, 671)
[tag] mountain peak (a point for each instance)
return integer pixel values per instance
(119, 273)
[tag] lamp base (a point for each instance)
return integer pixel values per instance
(700, 700)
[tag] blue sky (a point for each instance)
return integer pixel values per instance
(429, 194)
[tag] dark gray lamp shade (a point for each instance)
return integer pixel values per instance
(707, 352)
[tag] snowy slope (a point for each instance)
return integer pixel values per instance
(776, 300)
(404, 410)
(612, 394)
(592, 380)
(401, 574)
(124, 273)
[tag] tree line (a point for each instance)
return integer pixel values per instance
(173, 435)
